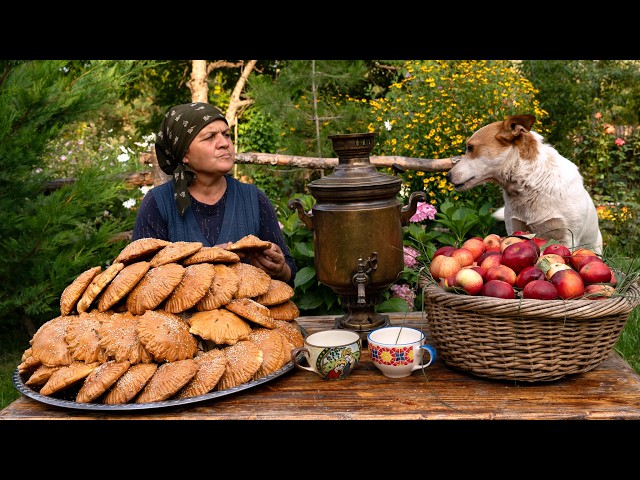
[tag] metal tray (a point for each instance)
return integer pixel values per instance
(65, 398)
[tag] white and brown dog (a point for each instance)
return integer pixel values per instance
(543, 191)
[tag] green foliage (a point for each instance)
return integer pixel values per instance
(312, 99)
(572, 90)
(607, 157)
(53, 237)
(462, 220)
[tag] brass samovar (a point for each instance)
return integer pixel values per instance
(357, 230)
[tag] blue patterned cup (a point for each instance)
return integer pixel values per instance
(398, 351)
(332, 354)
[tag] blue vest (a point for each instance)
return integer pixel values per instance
(241, 215)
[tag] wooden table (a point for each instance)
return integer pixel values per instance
(608, 392)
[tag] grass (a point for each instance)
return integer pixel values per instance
(12, 346)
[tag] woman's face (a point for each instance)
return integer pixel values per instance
(212, 151)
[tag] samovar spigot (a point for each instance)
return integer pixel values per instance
(361, 278)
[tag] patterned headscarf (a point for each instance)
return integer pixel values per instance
(180, 126)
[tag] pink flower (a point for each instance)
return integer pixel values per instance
(598, 115)
(424, 211)
(609, 129)
(405, 292)
(620, 142)
(410, 257)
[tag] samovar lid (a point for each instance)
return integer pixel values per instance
(354, 178)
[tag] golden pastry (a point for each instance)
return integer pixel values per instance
(157, 284)
(96, 286)
(130, 383)
(100, 380)
(73, 292)
(249, 243)
(49, 344)
(222, 290)
(211, 255)
(219, 326)
(211, 366)
(174, 252)
(284, 311)
(41, 375)
(166, 336)
(195, 283)
(67, 376)
(168, 379)
(122, 284)
(243, 361)
(251, 310)
(83, 339)
(141, 249)
(278, 292)
(274, 350)
(119, 338)
(253, 280)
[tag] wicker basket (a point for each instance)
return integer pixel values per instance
(524, 339)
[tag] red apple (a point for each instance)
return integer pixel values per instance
(491, 242)
(488, 253)
(613, 280)
(557, 249)
(569, 283)
(519, 255)
(445, 250)
(506, 241)
(541, 242)
(535, 246)
(481, 270)
(581, 260)
(476, 245)
(598, 291)
(501, 272)
(469, 280)
(442, 266)
(595, 272)
(578, 257)
(540, 290)
(521, 233)
(490, 260)
(528, 274)
(463, 255)
(498, 288)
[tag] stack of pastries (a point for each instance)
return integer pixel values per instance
(165, 320)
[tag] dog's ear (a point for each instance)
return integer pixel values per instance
(514, 125)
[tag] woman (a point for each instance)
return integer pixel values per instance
(202, 202)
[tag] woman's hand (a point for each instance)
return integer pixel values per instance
(271, 261)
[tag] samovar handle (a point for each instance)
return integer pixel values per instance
(408, 210)
(307, 218)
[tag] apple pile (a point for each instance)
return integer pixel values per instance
(522, 266)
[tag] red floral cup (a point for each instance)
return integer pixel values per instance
(399, 351)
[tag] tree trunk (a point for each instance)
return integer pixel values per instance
(198, 83)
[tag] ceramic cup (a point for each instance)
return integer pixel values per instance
(398, 351)
(332, 354)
